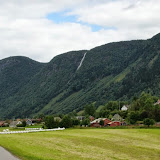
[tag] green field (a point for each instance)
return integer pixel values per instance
(75, 144)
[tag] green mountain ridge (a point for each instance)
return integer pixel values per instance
(115, 71)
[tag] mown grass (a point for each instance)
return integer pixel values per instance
(77, 144)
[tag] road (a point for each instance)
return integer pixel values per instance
(5, 155)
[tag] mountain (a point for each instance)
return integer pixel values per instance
(115, 71)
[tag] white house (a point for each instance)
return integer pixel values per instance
(29, 122)
(124, 108)
(117, 117)
(14, 124)
(157, 103)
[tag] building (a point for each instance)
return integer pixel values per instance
(124, 108)
(96, 122)
(91, 118)
(29, 122)
(157, 103)
(2, 123)
(58, 119)
(114, 123)
(80, 118)
(117, 117)
(14, 124)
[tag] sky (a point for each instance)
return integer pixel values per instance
(42, 29)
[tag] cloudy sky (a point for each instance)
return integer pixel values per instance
(42, 29)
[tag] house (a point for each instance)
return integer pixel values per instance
(80, 117)
(2, 123)
(58, 119)
(124, 108)
(157, 103)
(157, 124)
(14, 124)
(29, 122)
(91, 118)
(96, 122)
(116, 117)
(114, 123)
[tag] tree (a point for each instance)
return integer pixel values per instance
(75, 122)
(50, 122)
(42, 116)
(104, 113)
(24, 123)
(133, 117)
(90, 109)
(148, 121)
(85, 122)
(66, 122)
(112, 105)
(101, 122)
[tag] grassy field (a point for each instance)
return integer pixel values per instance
(91, 144)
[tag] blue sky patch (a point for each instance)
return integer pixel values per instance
(62, 17)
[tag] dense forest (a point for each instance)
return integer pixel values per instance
(112, 72)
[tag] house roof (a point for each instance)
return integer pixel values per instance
(14, 123)
(127, 106)
(158, 102)
(2, 122)
(116, 117)
(98, 120)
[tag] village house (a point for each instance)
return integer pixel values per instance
(114, 123)
(117, 117)
(80, 118)
(117, 123)
(58, 119)
(2, 123)
(157, 103)
(124, 108)
(96, 122)
(14, 124)
(91, 118)
(29, 122)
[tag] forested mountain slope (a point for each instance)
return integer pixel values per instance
(110, 72)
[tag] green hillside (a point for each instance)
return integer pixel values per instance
(115, 71)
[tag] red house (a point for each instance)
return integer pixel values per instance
(114, 123)
(91, 118)
(96, 122)
(106, 121)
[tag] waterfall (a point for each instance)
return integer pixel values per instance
(81, 61)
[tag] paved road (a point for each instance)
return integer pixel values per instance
(5, 155)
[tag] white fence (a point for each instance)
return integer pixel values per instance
(31, 130)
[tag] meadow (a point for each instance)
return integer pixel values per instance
(85, 144)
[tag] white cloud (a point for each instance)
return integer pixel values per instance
(26, 31)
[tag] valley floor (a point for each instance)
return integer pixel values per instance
(77, 144)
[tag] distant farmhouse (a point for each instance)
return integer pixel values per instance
(115, 121)
(80, 118)
(14, 124)
(29, 122)
(157, 103)
(33, 121)
(117, 117)
(125, 108)
(96, 122)
(3, 124)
